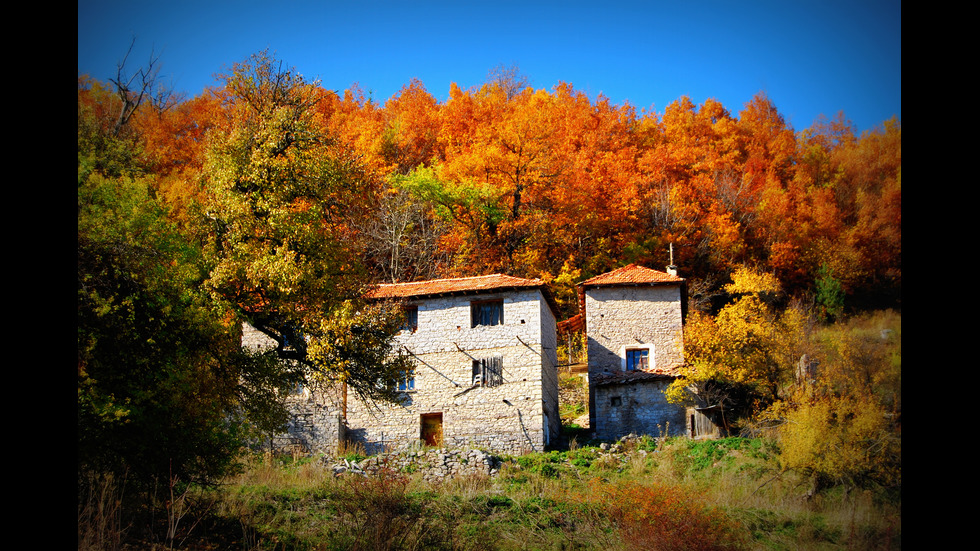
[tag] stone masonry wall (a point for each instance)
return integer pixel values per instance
(317, 421)
(637, 408)
(317, 424)
(434, 464)
(518, 416)
(549, 371)
(623, 317)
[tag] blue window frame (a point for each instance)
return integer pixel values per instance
(637, 359)
(407, 382)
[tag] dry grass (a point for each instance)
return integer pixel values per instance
(545, 501)
(100, 512)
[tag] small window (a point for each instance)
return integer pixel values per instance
(615, 401)
(407, 382)
(291, 336)
(489, 312)
(488, 371)
(411, 323)
(637, 359)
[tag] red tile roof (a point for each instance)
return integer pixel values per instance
(493, 282)
(460, 285)
(632, 275)
(571, 325)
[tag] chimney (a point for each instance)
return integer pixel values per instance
(671, 268)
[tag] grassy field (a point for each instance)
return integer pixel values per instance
(642, 494)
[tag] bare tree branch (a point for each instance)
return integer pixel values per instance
(137, 88)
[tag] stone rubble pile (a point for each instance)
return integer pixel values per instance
(445, 463)
(434, 464)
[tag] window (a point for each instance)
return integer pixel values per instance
(488, 371)
(616, 401)
(637, 359)
(488, 312)
(411, 323)
(407, 382)
(291, 336)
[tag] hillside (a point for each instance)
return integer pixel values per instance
(723, 494)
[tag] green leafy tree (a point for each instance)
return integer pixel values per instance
(829, 294)
(472, 209)
(164, 389)
(285, 200)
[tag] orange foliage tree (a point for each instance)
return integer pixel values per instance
(533, 182)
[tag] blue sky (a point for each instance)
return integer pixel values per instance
(809, 57)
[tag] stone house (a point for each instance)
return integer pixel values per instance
(634, 320)
(486, 373)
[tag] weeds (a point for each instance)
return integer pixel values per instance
(352, 451)
(668, 517)
(100, 518)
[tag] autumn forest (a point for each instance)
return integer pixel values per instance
(557, 185)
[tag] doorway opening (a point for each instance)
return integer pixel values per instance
(432, 429)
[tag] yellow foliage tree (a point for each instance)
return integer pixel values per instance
(840, 439)
(841, 426)
(738, 360)
(283, 202)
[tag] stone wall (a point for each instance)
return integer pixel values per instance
(637, 407)
(549, 372)
(317, 424)
(317, 420)
(433, 464)
(255, 340)
(519, 415)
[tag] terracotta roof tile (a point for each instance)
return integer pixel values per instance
(571, 325)
(460, 285)
(632, 275)
(432, 287)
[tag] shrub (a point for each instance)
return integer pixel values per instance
(841, 440)
(583, 457)
(544, 464)
(667, 518)
(695, 456)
